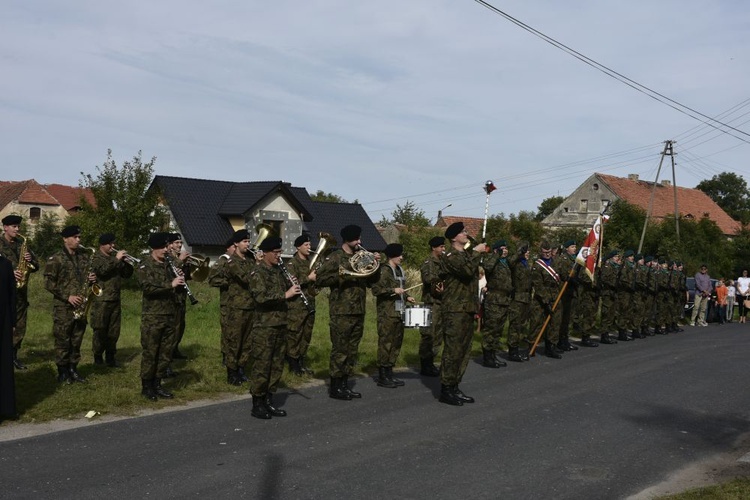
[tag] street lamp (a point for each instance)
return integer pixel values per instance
(440, 212)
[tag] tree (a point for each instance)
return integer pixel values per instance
(525, 227)
(47, 239)
(548, 206)
(409, 215)
(730, 192)
(321, 195)
(124, 204)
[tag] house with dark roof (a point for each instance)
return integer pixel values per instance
(32, 200)
(207, 212)
(580, 209)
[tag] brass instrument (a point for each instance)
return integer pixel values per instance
(128, 259)
(263, 231)
(176, 272)
(294, 281)
(363, 264)
(199, 266)
(325, 240)
(24, 266)
(88, 291)
(471, 243)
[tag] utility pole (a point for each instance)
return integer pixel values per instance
(668, 150)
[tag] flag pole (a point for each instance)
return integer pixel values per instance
(488, 188)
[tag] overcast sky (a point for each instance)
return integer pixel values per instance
(382, 101)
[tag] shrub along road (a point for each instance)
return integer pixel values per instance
(604, 422)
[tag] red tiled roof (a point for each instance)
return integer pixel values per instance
(692, 203)
(472, 225)
(70, 196)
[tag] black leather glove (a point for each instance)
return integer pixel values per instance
(547, 308)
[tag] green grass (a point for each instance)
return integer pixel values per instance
(117, 391)
(737, 489)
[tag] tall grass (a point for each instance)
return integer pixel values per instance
(117, 390)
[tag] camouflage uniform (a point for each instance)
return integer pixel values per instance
(11, 250)
(520, 307)
(458, 308)
(181, 294)
(240, 311)
(390, 309)
(653, 290)
(67, 275)
(663, 298)
(609, 277)
(586, 304)
(105, 310)
(496, 301)
(300, 320)
(624, 300)
(158, 310)
(563, 264)
(641, 299)
(217, 278)
(268, 336)
(431, 337)
(546, 288)
(346, 306)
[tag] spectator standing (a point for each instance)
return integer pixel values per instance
(721, 301)
(702, 296)
(743, 292)
(731, 292)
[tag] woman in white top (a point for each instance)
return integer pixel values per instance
(743, 293)
(731, 293)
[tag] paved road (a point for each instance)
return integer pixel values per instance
(601, 423)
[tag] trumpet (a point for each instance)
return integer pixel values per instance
(201, 265)
(363, 264)
(325, 240)
(128, 259)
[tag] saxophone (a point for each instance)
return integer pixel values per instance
(24, 266)
(88, 291)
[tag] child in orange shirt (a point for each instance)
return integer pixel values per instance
(721, 300)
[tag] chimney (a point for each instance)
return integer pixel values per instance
(666, 182)
(632, 177)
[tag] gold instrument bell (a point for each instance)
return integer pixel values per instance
(263, 231)
(326, 243)
(199, 266)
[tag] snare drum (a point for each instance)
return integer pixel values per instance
(415, 317)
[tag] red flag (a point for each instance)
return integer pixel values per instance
(489, 187)
(589, 253)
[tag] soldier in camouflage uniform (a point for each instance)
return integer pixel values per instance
(390, 302)
(641, 296)
(158, 308)
(458, 308)
(663, 297)
(608, 278)
(496, 303)
(431, 337)
(547, 284)
(300, 319)
(679, 296)
(673, 298)
(624, 300)
(68, 277)
(240, 307)
(518, 315)
(346, 310)
(586, 306)
(217, 278)
(179, 258)
(271, 293)
(10, 247)
(110, 270)
(563, 264)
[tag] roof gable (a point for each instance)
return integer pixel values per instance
(70, 196)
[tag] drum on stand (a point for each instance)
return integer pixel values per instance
(418, 316)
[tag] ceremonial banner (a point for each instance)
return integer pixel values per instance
(589, 254)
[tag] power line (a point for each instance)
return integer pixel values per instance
(619, 77)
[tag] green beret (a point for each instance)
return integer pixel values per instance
(628, 253)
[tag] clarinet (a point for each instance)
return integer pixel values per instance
(176, 273)
(291, 279)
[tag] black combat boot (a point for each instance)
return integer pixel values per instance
(160, 391)
(384, 380)
(259, 408)
(63, 375)
(176, 354)
(98, 359)
(397, 381)
(170, 373)
(428, 368)
(295, 367)
(233, 377)
(565, 345)
(109, 359)
(623, 336)
(489, 360)
(551, 351)
(241, 373)
(636, 334)
(676, 328)
(460, 395)
(17, 362)
(587, 342)
(147, 389)
(514, 355)
(606, 339)
(74, 375)
(345, 388)
(304, 367)
(447, 396)
(275, 412)
(336, 392)
(524, 354)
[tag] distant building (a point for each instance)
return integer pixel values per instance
(472, 225)
(580, 209)
(207, 212)
(32, 200)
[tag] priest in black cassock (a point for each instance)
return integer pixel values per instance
(7, 322)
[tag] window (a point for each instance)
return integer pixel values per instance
(35, 213)
(595, 186)
(584, 206)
